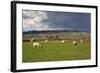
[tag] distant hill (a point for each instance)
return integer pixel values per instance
(50, 31)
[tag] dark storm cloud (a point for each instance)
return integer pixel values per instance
(50, 20)
(73, 21)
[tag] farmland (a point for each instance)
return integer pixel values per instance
(55, 36)
(54, 50)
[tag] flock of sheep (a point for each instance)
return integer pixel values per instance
(38, 45)
(74, 42)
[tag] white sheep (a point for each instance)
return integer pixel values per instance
(45, 41)
(63, 41)
(36, 45)
(81, 41)
(31, 39)
(74, 43)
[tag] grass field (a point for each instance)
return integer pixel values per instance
(55, 51)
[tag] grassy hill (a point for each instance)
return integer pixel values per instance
(55, 51)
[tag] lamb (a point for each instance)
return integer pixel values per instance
(81, 41)
(45, 41)
(74, 43)
(63, 41)
(31, 40)
(36, 45)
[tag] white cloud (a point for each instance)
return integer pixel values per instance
(34, 20)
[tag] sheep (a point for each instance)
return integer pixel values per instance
(36, 45)
(81, 41)
(33, 40)
(63, 41)
(45, 41)
(74, 43)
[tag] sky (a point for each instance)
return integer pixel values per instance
(51, 20)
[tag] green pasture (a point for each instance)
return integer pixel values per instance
(55, 51)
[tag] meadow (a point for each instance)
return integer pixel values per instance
(55, 51)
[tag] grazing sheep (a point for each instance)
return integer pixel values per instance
(81, 41)
(74, 43)
(36, 45)
(63, 41)
(33, 40)
(45, 41)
